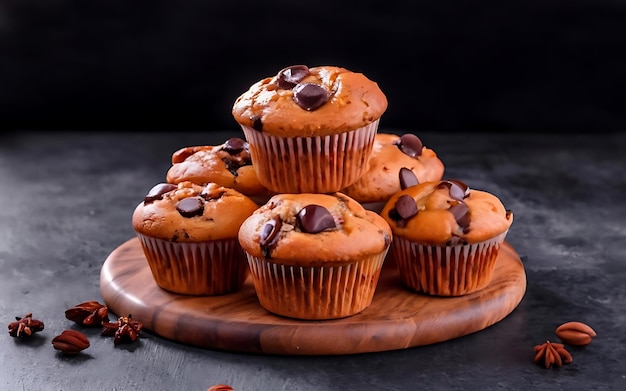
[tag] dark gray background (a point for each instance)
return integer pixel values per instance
(533, 65)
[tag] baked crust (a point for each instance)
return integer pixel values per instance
(434, 224)
(381, 180)
(223, 212)
(210, 164)
(358, 232)
(355, 101)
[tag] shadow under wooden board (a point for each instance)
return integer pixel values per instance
(396, 319)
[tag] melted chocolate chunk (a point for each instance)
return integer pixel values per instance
(211, 195)
(410, 144)
(462, 185)
(406, 206)
(315, 218)
(458, 190)
(310, 96)
(269, 235)
(404, 209)
(239, 154)
(257, 124)
(156, 193)
(288, 77)
(407, 178)
(191, 206)
(234, 145)
(461, 215)
(232, 166)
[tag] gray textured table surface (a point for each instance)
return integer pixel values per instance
(66, 203)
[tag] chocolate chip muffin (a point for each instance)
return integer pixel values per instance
(395, 163)
(310, 130)
(188, 233)
(315, 256)
(227, 165)
(446, 236)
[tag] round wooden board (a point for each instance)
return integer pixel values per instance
(396, 319)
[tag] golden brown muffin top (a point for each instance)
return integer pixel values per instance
(385, 176)
(446, 212)
(188, 212)
(313, 230)
(227, 165)
(303, 102)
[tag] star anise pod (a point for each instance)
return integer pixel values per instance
(125, 330)
(25, 326)
(89, 313)
(550, 353)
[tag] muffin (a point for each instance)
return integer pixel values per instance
(446, 236)
(315, 256)
(396, 162)
(188, 234)
(227, 165)
(310, 130)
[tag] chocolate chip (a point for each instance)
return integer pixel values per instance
(191, 206)
(310, 96)
(212, 195)
(156, 193)
(257, 124)
(406, 206)
(410, 144)
(288, 77)
(407, 178)
(387, 238)
(461, 215)
(457, 189)
(462, 185)
(234, 145)
(315, 218)
(404, 209)
(269, 235)
(232, 166)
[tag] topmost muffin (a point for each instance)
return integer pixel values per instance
(302, 102)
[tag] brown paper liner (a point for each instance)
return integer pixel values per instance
(446, 270)
(316, 292)
(205, 269)
(322, 164)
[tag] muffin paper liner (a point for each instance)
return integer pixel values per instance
(319, 164)
(446, 270)
(206, 268)
(316, 292)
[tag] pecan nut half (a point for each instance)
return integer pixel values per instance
(220, 387)
(575, 333)
(70, 342)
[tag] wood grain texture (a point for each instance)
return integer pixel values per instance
(396, 319)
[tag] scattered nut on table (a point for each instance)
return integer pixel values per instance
(575, 333)
(70, 342)
(25, 326)
(89, 313)
(549, 353)
(220, 387)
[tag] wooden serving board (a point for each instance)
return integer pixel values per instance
(396, 319)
